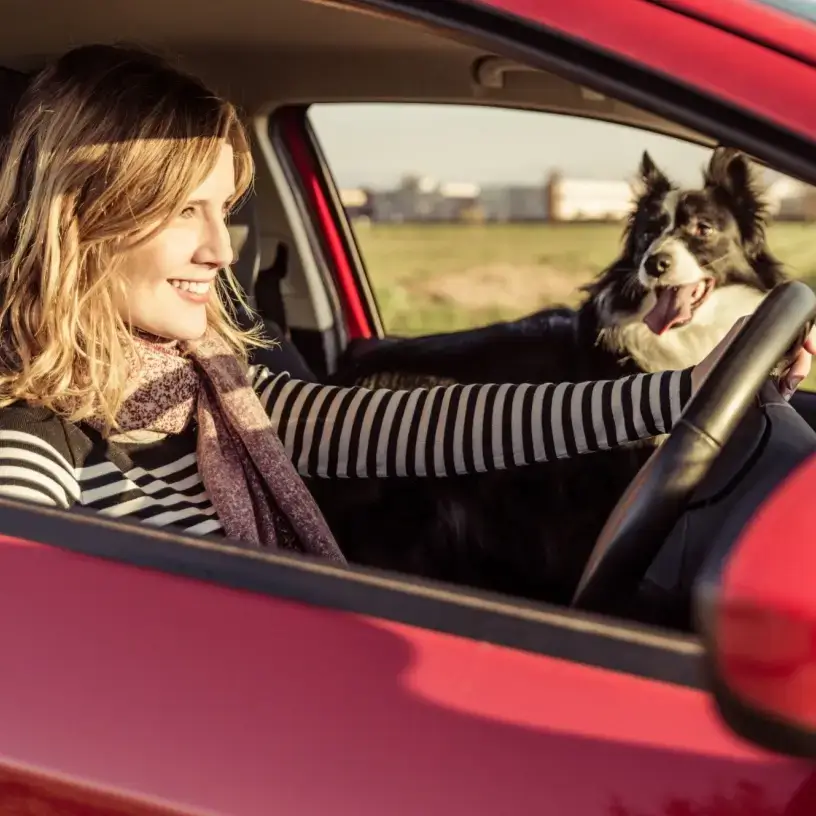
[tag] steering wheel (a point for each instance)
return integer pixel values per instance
(658, 496)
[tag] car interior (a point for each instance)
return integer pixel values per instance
(273, 57)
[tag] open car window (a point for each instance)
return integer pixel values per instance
(466, 215)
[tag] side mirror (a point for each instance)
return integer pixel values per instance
(756, 613)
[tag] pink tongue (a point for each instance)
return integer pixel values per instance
(673, 306)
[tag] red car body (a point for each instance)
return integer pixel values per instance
(144, 674)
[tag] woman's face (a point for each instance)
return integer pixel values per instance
(170, 277)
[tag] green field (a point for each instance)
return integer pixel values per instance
(441, 277)
(445, 277)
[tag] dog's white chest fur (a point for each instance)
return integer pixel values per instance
(687, 345)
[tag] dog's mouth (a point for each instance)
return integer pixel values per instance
(675, 305)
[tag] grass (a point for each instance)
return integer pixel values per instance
(441, 277)
(444, 277)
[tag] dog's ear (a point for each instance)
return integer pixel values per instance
(651, 175)
(735, 179)
(731, 170)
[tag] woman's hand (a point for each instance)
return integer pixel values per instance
(789, 379)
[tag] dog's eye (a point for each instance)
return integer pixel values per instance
(703, 229)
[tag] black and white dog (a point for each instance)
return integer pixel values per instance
(693, 262)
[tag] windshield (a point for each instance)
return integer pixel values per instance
(798, 8)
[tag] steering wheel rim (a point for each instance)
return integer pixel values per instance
(657, 497)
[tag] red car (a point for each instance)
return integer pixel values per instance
(147, 672)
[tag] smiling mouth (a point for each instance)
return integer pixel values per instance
(195, 287)
(675, 305)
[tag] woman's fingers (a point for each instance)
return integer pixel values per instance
(799, 367)
(810, 341)
(798, 371)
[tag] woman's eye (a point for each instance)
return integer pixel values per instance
(188, 212)
(703, 229)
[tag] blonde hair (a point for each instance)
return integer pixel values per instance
(106, 142)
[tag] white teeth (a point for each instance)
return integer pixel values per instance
(196, 287)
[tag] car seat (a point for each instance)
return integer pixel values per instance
(262, 290)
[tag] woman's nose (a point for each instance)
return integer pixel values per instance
(216, 247)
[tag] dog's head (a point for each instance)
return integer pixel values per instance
(693, 262)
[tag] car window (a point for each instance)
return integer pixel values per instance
(465, 215)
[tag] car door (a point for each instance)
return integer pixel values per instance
(148, 673)
(707, 91)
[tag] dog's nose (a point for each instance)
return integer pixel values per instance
(658, 264)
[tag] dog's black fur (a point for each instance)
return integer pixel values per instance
(528, 532)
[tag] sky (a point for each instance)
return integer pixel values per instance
(376, 144)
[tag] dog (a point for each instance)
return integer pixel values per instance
(692, 263)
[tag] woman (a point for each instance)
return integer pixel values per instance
(124, 385)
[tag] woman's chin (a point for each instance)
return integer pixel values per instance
(178, 332)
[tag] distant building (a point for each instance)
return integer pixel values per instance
(412, 200)
(385, 207)
(457, 201)
(588, 199)
(419, 199)
(514, 203)
(356, 202)
(791, 200)
(424, 199)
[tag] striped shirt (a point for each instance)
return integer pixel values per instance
(334, 432)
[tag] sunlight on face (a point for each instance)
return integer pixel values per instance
(170, 277)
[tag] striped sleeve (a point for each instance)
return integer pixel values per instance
(31, 469)
(335, 432)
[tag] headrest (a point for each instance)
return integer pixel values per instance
(243, 230)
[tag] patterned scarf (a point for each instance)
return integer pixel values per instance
(256, 491)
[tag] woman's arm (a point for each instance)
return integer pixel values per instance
(336, 432)
(33, 468)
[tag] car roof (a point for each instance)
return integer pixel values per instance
(262, 54)
(785, 25)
